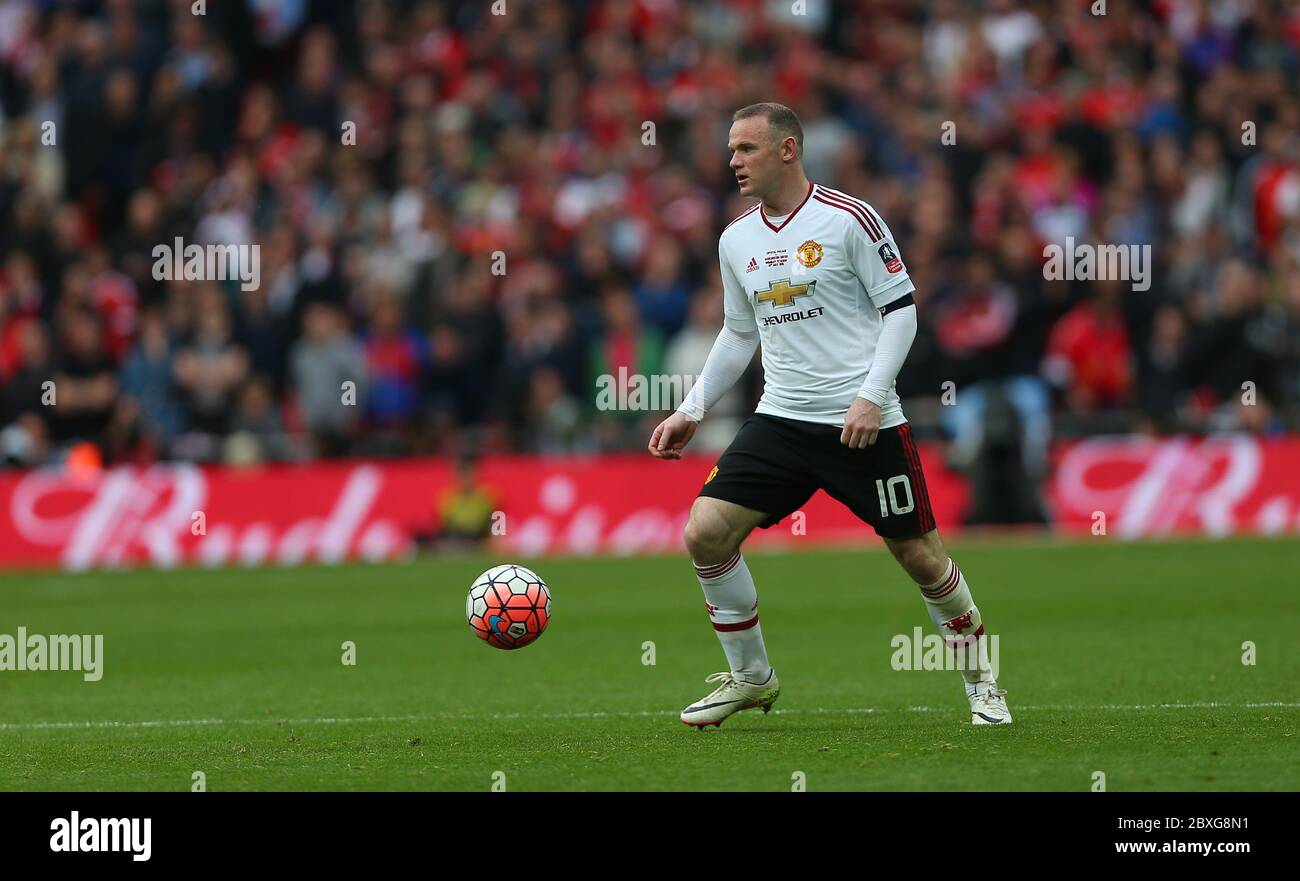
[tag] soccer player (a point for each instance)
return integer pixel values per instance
(816, 276)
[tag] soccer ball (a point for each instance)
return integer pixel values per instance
(508, 606)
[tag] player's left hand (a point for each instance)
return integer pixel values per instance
(861, 425)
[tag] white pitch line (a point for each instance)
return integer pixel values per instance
(467, 717)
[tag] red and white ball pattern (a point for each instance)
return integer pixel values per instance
(508, 606)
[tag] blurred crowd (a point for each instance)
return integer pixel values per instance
(465, 219)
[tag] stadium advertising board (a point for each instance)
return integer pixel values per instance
(168, 515)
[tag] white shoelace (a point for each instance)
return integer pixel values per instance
(997, 697)
(728, 682)
(995, 694)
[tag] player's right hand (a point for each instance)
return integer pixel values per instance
(671, 436)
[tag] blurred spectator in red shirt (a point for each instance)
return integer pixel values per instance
(1088, 351)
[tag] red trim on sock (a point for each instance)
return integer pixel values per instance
(739, 625)
(949, 585)
(717, 570)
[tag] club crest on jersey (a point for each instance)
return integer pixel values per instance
(890, 259)
(810, 253)
(753, 264)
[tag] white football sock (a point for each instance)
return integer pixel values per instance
(958, 618)
(732, 601)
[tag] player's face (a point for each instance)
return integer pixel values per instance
(755, 156)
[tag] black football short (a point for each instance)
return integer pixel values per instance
(774, 465)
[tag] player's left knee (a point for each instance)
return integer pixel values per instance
(924, 557)
(930, 568)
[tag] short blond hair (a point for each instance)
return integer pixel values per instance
(784, 122)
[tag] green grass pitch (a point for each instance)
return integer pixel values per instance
(1119, 658)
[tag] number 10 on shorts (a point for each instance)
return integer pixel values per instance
(890, 490)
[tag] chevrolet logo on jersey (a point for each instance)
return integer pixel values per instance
(787, 317)
(782, 293)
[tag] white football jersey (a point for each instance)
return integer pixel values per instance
(813, 286)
